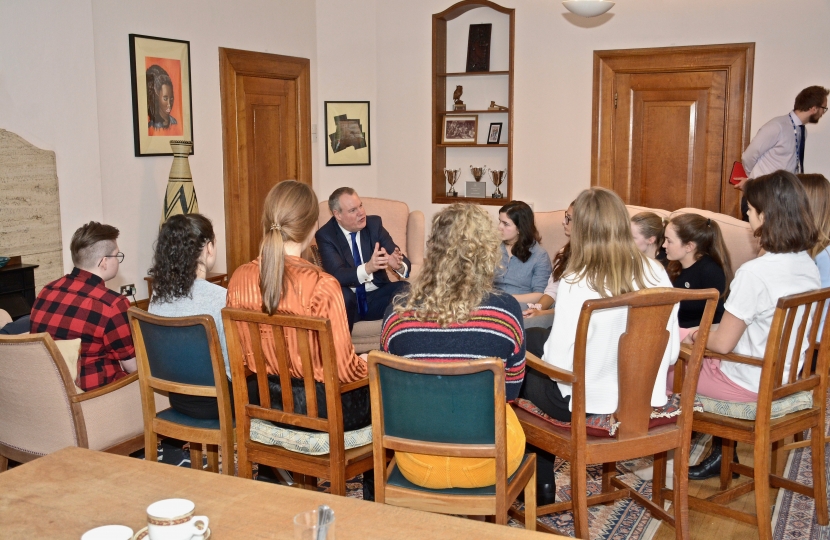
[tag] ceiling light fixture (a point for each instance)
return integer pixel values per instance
(588, 8)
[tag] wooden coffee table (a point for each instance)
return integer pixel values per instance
(66, 493)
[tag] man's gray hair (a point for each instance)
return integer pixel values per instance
(334, 198)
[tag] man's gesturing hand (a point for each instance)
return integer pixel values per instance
(396, 259)
(379, 260)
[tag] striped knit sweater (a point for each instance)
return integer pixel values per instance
(496, 328)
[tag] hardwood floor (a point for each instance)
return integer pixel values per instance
(709, 526)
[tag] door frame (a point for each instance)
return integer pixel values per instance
(737, 59)
(234, 63)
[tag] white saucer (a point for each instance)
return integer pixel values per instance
(142, 534)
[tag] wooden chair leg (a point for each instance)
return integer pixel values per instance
(530, 502)
(212, 451)
(773, 462)
(196, 456)
(151, 446)
(658, 478)
(819, 473)
(579, 496)
(609, 471)
(337, 482)
(762, 490)
(728, 449)
(243, 466)
(680, 492)
(4, 463)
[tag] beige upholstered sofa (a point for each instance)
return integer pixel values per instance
(740, 242)
(41, 410)
(407, 230)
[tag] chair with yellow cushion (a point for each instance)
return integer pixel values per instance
(431, 413)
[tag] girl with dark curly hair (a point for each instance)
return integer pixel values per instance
(184, 253)
(525, 265)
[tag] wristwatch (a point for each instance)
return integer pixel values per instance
(534, 306)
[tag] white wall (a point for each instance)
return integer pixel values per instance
(553, 81)
(347, 71)
(132, 187)
(48, 96)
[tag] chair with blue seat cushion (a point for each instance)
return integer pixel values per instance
(264, 430)
(182, 355)
(449, 409)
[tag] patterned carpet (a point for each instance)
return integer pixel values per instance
(795, 515)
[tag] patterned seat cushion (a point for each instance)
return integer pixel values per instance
(313, 443)
(746, 411)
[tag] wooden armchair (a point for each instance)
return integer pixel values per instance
(789, 327)
(455, 409)
(338, 463)
(183, 355)
(42, 411)
(641, 350)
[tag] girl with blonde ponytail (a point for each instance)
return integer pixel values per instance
(281, 280)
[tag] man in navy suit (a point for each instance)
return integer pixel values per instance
(356, 249)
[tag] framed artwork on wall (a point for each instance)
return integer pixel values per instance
(460, 129)
(162, 97)
(494, 136)
(347, 133)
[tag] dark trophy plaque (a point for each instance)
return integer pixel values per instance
(478, 47)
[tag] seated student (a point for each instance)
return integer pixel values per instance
(698, 259)
(525, 265)
(779, 214)
(356, 250)
(536, 336)
(79, 305)
(280, 280)
(818, 193)
(647, 229)
(600, 232)
(184, 253)
(458, 315)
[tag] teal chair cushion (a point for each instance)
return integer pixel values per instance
(174, 416)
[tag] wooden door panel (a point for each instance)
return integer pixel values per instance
(668, 122)
(266, 124)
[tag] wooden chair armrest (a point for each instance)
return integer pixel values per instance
(734, 357)
(685, 352)
(106, 389)
(348, 387)
(532, 361)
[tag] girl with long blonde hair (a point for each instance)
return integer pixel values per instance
(453, 312)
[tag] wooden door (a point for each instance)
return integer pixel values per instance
(266, 139)
(672, 154)
(668, 124)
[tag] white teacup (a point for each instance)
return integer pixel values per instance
(109, 532)
(173, 519)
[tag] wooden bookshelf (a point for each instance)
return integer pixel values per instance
(439, 103)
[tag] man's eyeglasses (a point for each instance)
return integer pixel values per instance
(823, 108)
(119, 256)
(568, 219)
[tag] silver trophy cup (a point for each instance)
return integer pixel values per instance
(498, 179)
(451, 176)
(478, 172)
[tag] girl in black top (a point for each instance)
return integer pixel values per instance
(698, 259)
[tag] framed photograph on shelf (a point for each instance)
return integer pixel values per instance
(494, 135)
(460, 129)
(162, 102)
(347, 133)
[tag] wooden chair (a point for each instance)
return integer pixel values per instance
(455, 409)
(764, 432)
(641, 349)
(339, 464)
(183, 355)
(42, 411)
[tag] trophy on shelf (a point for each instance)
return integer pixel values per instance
(451, 176)
(498, 179)
(478, 172)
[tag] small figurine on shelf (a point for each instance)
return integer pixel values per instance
(494, 107)
(456, 99)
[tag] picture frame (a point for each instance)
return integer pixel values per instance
(478, 47)
(348, 133)
(494, 134)
(460, 129)
(161, 92)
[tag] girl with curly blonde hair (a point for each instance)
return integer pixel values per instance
(452, 312)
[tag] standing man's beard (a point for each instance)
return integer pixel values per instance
(814, 118)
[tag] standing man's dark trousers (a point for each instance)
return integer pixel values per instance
(378, 301)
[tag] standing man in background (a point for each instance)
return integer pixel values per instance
(779, 144)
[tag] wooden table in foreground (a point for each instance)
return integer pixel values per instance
(64, 494)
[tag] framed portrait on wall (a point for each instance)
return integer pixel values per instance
(347, 133)
(162, 110)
